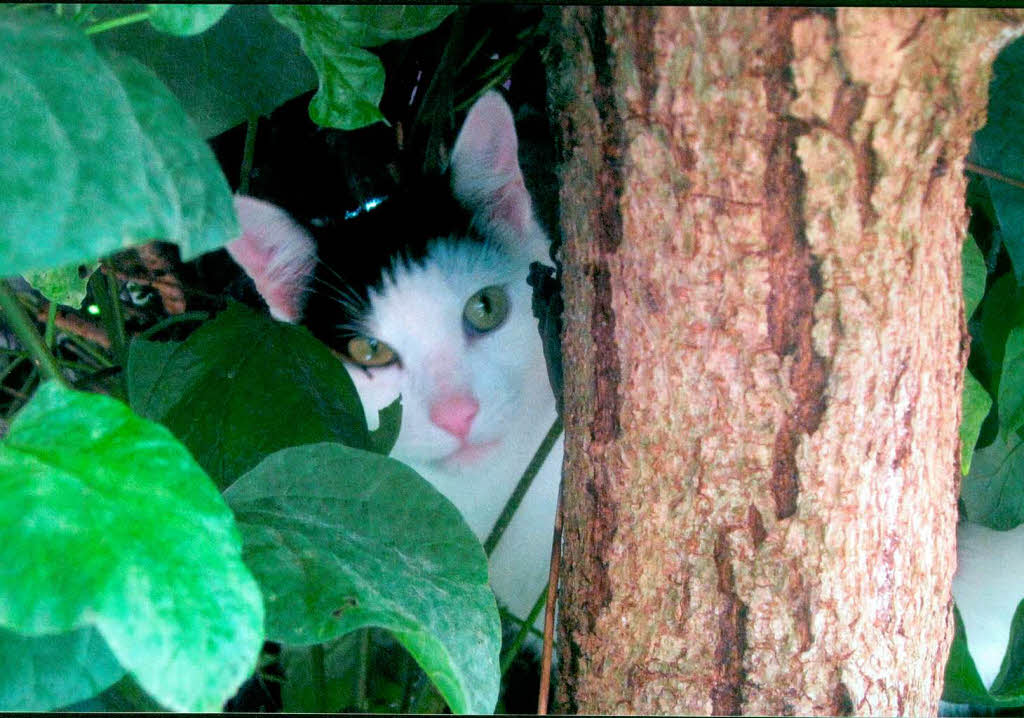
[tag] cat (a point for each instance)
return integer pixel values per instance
(425, 297)
(431, 293)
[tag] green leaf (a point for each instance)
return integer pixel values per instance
(997, 146)
(244, 66)
(1011, 383)
(974, 275)
(383, 438)
(255, 396)
(108, 522)
(63, 285)
(341, 539)
(352, 79)
(962, 683)
(1001, 310)
(1009, 684)
(993, 490)
(302, 693)
(79, 179)
(976, 405)
(179, 163)
(184, 20)
(47, 672)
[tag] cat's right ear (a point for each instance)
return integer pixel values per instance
(276, 253)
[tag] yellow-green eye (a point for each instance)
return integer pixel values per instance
(367, 351)
(486, 309)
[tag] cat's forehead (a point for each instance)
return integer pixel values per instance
(437, 286)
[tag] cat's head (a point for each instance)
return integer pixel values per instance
(424, 296)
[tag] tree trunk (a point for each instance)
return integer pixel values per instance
(764, 344)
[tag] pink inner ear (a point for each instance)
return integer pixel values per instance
(485, 164)
(277, 253)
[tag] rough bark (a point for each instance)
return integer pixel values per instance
(762, 213)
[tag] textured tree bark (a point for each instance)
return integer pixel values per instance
(764, 343)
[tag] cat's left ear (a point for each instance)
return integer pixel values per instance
(486, 177)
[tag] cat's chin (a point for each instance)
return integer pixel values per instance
(467, 456)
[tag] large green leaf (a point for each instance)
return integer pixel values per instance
(993, 490)
(46, 672)
(108, 522)
(1001, 310)
(244, 66)
(974, 272)
(184, 20)
(256, 384)
(1011, 383)
(342, 538)
(962, 683)
(997, 146)
(352, 79)
(79, 178)
(976, 405)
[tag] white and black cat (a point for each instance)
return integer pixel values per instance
(426, 297)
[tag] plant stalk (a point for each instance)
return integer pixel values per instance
(523, 486)
(24, 328)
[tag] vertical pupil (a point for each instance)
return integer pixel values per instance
(485, 304)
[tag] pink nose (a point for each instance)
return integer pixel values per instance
(455, 414)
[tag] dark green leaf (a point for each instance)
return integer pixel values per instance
(383, 438)
(997, 146)
(976, 405)
(352, 79)
(962, 684)
(175, 19)
(258, 385)
(974, 275)
(341, 539)
(244, 66)
(1011, 383)
(1009, 684)
(47, 672)
(1001, 310)
(993, 490)
(301, 693)
(108, 522)
(70, 126)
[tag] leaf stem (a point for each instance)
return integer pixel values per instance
(117, 22)
(362, 678)
(524, 630)
(523, 486)
(172, 320)
(986, 172)
(24, 328)
(248, 154)
(317, 656)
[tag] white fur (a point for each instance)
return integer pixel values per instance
(987, 587)
(418, 312)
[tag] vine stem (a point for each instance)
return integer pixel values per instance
(986, 172)
(117, 22)
(25, 330)
(523, 486)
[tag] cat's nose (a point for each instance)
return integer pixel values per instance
(455, 414)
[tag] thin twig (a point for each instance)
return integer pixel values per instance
(523, 486)
(985, 171)
(24, 328)
(549, 612)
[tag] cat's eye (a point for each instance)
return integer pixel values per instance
(370, 352)
(486, 309)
